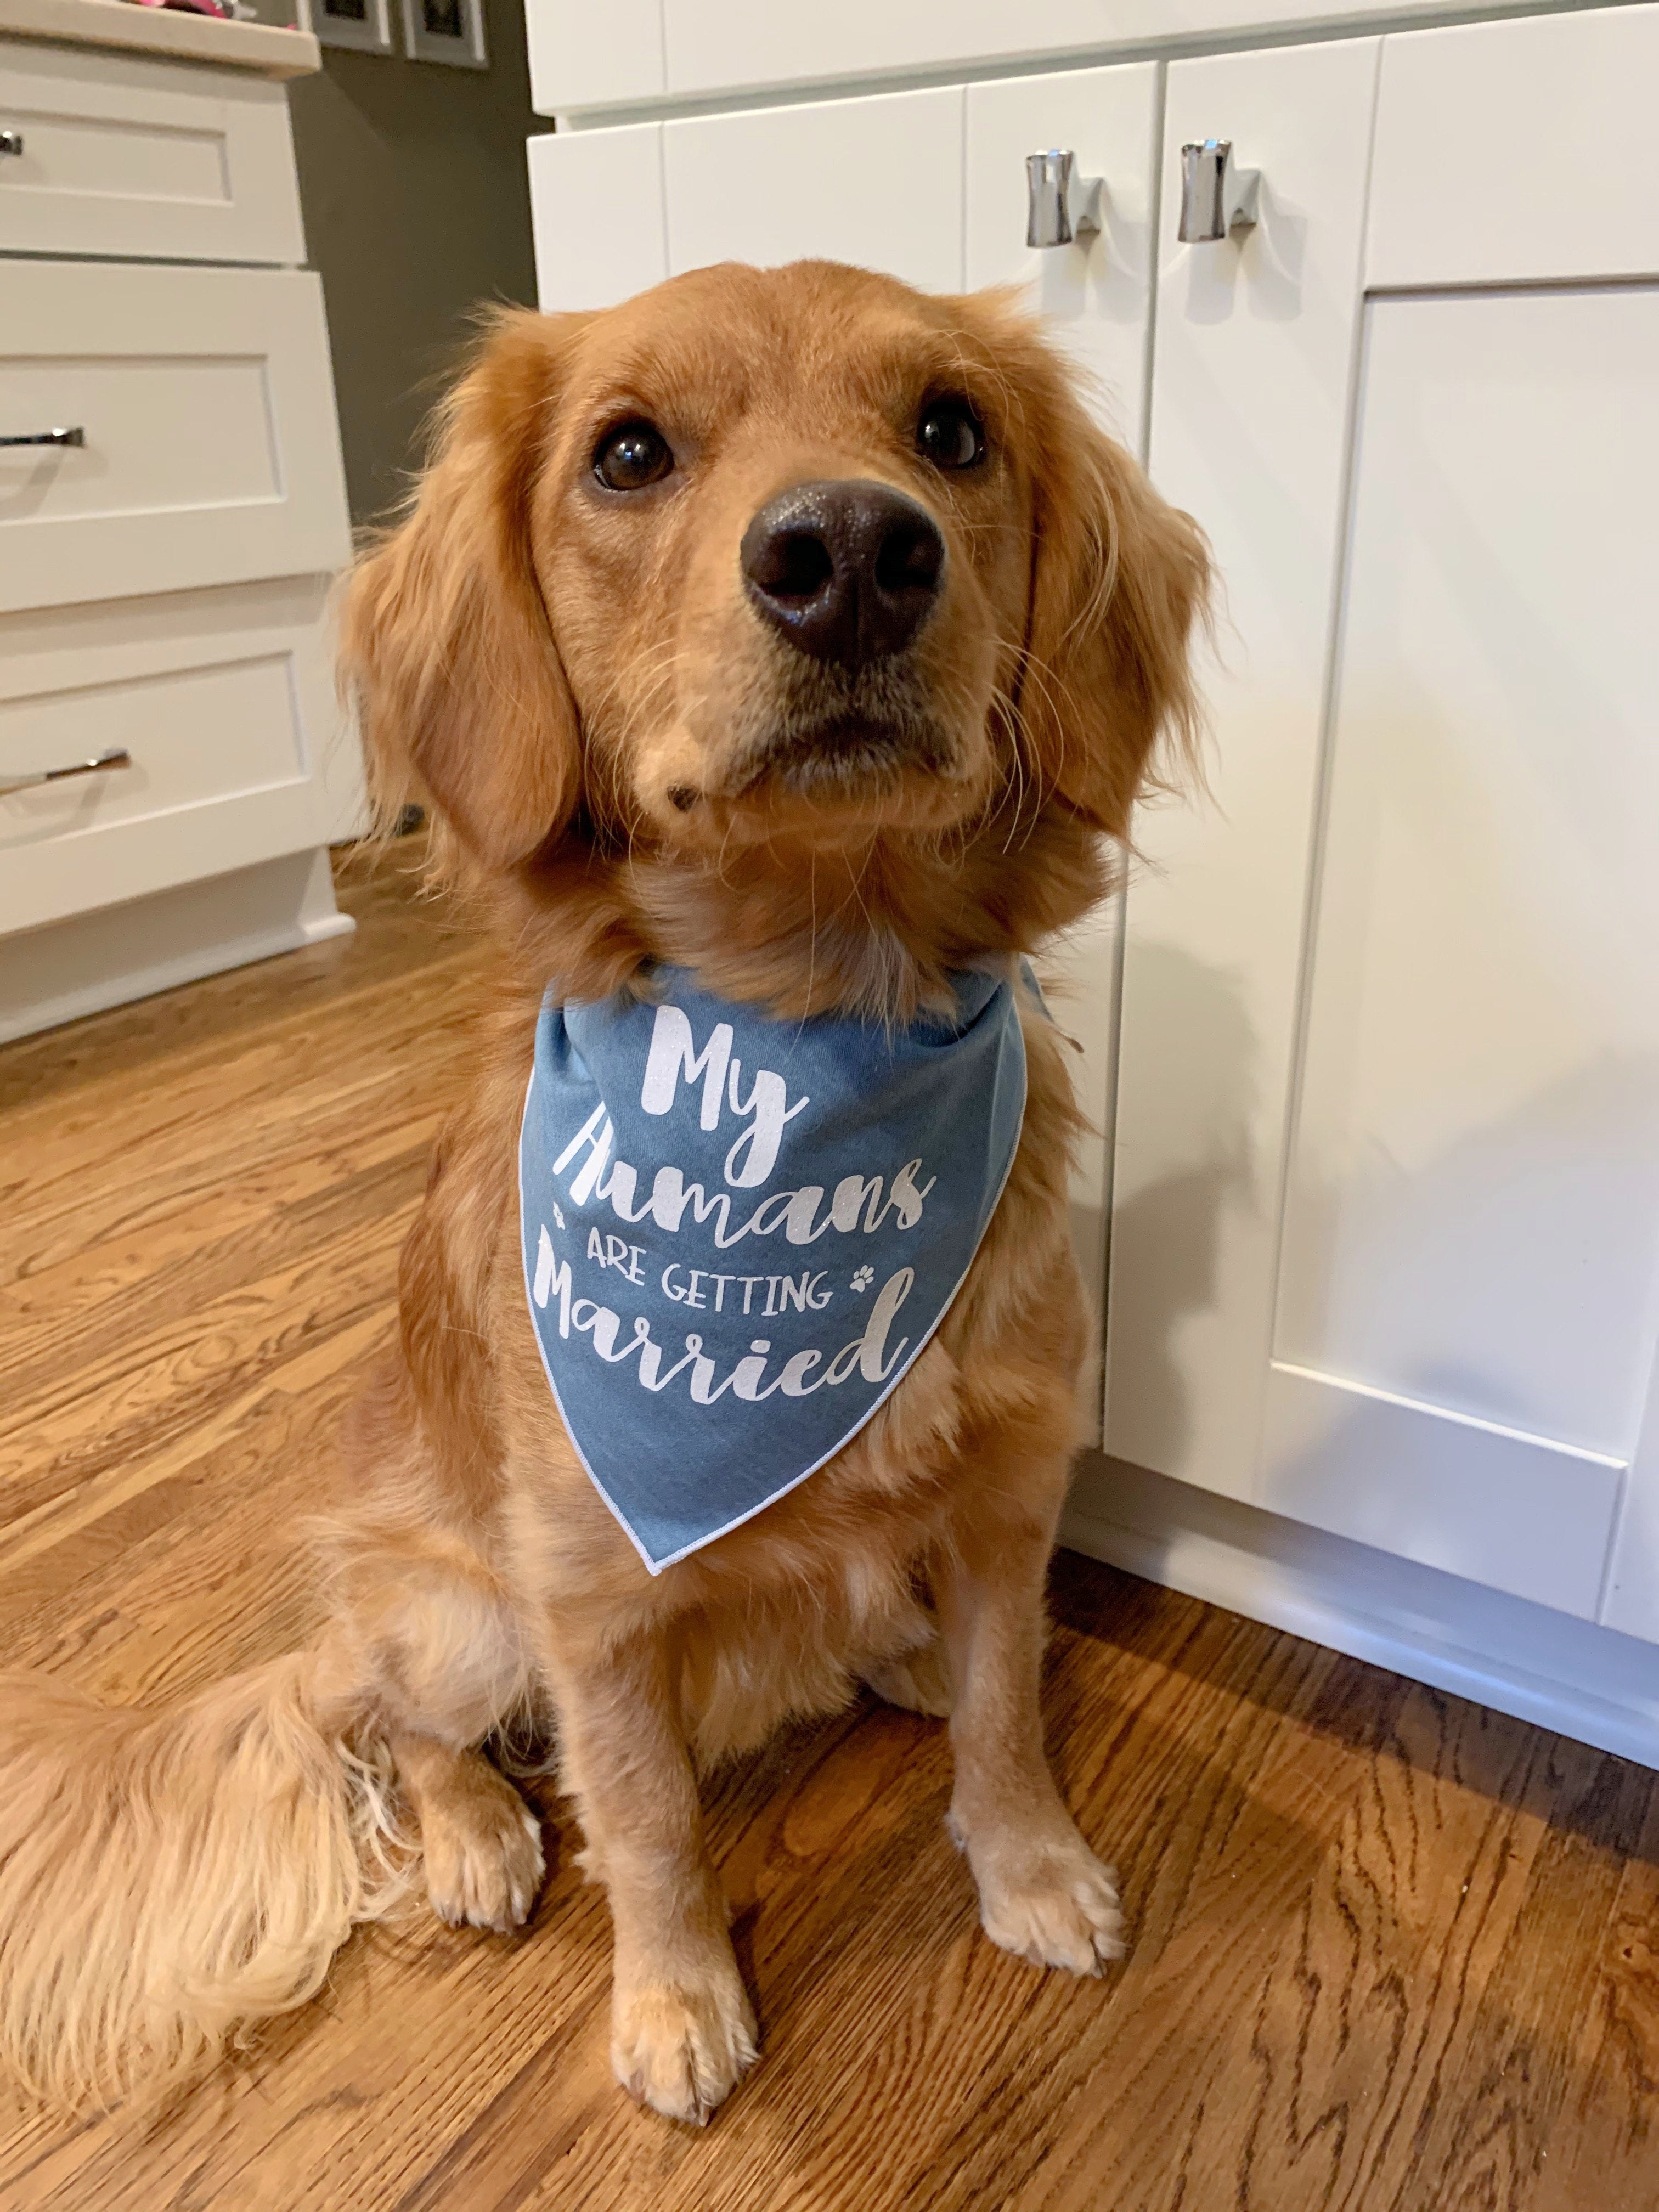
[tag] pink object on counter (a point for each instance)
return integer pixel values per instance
(188, 7)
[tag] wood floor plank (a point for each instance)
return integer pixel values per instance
(1391, 1953)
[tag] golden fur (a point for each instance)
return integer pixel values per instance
(574, 684)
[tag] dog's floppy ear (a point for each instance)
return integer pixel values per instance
(1118, 577)
(444, 637)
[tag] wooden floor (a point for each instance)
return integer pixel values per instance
(1391, 1953)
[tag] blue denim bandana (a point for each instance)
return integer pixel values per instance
(740, 1232)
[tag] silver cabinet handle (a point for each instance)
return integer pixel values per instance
(1060, 203)
(77, 436)
(11, 142)
(104, 762)
(1215, 196)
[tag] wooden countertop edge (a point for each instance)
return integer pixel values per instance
(171, 36)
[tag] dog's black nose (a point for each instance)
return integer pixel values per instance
(847, 571)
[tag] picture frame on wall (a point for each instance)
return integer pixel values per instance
(451, 31)
(362, 25)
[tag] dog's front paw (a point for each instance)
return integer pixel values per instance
(682, 2047)
(1047, 1897)
(482, 1847)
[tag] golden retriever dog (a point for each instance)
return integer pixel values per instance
(803, 632)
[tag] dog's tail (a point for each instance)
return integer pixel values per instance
(169, 1878)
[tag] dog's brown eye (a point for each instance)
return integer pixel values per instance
(630, 458)
(949, 435)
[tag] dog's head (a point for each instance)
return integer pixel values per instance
(764, 563)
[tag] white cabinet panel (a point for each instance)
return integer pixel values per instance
(1096, 293)
(711, 44)
(581, 55)
(1254, 346)
(584, 57)
(1097, 297)
(1516, 1512)
(1471, 1202)
(1522, 150)
(877, 182)
(211, 453)
(596, 207)
(162, 162)
(1385, 1250)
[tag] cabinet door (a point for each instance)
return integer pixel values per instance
(1254, 351)
(1469, 1242)
(585, 56)
(874, 181)
(596, 214)
(1095, 295)
(1387, 1253)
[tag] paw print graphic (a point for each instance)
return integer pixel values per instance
(862, 1278)
(558, 1217)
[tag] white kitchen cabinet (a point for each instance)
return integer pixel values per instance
(1382, 1089)
(1254, 347)
(172, 758)
(1386, 1256)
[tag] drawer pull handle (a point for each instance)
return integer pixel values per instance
(77, 436)
(104, 762)
(11, 142)
(1059, 202)
(1215, 197)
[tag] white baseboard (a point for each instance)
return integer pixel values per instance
(116, 953)
(1563, 1673)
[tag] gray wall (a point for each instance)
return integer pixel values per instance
(416, 208)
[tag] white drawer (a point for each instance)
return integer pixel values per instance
(220, 702)
(581, 261)
(1509, 152)
(157, 159)
(633, 52)
(211, 453)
